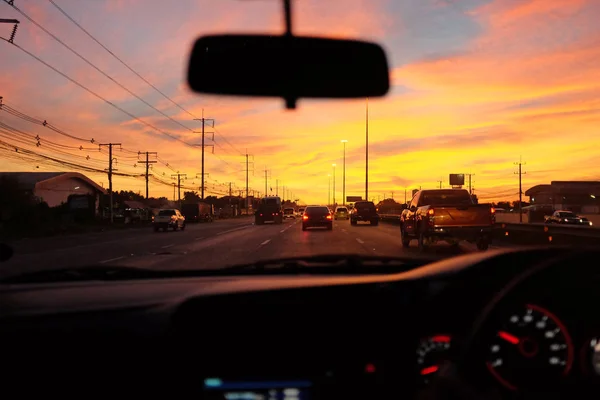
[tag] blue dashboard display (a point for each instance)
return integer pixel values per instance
(259, 390)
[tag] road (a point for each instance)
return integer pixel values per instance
(214, 245)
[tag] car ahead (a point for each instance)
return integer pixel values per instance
(269, 210)
(300, 212)
(364, 211)
(168, 218)
(341, 212)
(317, 217)
(288, 213)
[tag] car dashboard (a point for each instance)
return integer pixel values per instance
(312, 336)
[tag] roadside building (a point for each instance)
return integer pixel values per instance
(581, 197)
(55, 188)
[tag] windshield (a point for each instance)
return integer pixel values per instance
(166, 212)
(101, 136)
(446, 198)
(317, 211)
(567, 214)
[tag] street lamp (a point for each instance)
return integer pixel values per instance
(333, 165)
(344, 141)
(329, 190)
(367, 149)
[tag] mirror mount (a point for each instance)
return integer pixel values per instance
(413, 208)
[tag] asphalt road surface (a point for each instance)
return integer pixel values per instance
(210, 245)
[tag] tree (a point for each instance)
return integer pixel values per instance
(191, 197)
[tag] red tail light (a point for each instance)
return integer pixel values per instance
(329, 217)
(492, 210)
(493, 215)
(305, 217)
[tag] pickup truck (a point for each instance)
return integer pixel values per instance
(446, 215)
(364, 211)
(567, 218)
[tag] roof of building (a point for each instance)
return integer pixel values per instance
(565, 187)
(28, 180)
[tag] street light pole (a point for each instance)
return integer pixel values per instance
(367, 150)
(344, 141)
(329, 190)
(333, 165)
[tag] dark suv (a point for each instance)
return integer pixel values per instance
(269, 209)
(364, 211)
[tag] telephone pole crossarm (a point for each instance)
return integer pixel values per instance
(148, 162)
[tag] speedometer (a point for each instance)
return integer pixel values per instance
(531, 348)
(431, 353)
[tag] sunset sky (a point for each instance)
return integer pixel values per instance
(477, 84)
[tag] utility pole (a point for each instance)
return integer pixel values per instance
(179, 176)
(110, 172)
(440, 182)
(329, 191)
(367, 151)
(148, 162)
(276, 187)
(520, 173)
(247, 171)
(470, 183)
(333, 204)
(202, 145)
(344, 141)
(405, 196)
(267, 176)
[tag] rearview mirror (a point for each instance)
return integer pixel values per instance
(413, 208)
(290, 67)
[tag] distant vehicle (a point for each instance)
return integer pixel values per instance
(566, 218)
(364, 211)
(341, 212)
(198, 212)
(269, 210)
(168, 218)
(288, 213)
(449, 215)
(317, 217)
(300, 211)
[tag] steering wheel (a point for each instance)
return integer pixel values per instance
(452, 381)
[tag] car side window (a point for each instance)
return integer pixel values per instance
(414, 201)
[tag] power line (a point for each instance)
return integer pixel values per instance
(91, 64)
(62, 11)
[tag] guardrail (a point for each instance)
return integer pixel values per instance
(547, 233)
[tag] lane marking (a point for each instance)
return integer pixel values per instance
(282, 231)
(199, 238)
(265, 242)
(167, 246)
(360, 241)
(111, 259)
(343, 230)
(234, 229)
